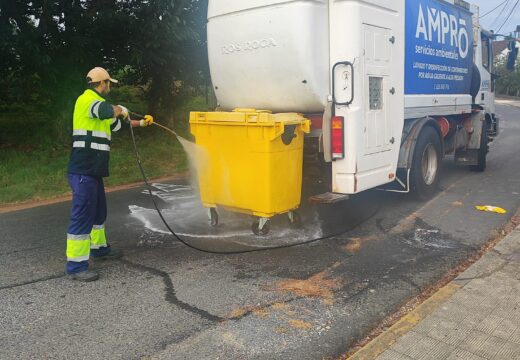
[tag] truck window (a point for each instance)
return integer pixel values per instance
(375, 85)
(486, 53)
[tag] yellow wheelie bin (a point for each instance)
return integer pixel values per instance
(254, 163)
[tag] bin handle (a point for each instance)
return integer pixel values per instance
(305, 126)
(279, 131)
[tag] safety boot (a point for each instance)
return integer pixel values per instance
(107, 254)
(84, 276)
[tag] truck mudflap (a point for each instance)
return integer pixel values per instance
(478, 141)
(494, 127)
(411, 132)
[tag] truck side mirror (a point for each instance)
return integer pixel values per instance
(513, 54)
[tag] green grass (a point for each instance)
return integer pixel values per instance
(33, 166)
(32, 174)
(40, 173)
(161, 155)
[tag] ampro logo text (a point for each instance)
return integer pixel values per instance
(438, 26)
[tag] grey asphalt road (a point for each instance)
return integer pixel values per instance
(167, 301)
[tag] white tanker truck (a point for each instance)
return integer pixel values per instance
(390, 87)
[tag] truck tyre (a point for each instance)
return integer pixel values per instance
(426, 164)
(482, 151)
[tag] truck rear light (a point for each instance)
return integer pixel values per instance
(338, 137)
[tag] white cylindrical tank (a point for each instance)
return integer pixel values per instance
(269, 54)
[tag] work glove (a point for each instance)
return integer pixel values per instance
(124, 112)
(147, 120)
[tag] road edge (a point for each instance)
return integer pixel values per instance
(384, 341)
(12, 207)
(515, 102)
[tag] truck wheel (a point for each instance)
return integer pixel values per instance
(482, 151)
(426, 164)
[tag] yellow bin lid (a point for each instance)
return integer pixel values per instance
(249, 116)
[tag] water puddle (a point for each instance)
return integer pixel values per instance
(426, 237)
(184, 213)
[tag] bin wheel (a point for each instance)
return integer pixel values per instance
(261, 231)
(295, 220)
(213, 217)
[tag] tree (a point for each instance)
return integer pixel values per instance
(508, 82)
(168, 47)
(48, 46)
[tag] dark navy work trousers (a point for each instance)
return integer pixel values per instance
(89, 210)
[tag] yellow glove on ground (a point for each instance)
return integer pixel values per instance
(148, 120)
(490, 208)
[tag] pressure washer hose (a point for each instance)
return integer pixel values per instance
(149, 188)
(167, 129)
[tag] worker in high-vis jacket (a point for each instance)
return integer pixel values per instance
(94, 121)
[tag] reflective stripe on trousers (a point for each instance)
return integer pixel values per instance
(78, 247)
(98, 238)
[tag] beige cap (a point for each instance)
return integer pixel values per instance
(99, 74)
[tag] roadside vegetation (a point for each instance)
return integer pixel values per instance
(33, 165)
(508, 82)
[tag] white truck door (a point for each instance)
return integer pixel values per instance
(370, 35)
(378, 62)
